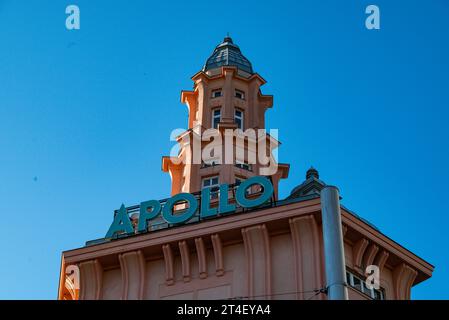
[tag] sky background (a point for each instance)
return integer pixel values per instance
(85, 116)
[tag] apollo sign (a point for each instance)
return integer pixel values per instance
(152, 209)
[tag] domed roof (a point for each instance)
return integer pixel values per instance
(312, 172)
(228, 54)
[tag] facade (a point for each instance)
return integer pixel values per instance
(270, 251)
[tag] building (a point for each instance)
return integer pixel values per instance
(270, 251)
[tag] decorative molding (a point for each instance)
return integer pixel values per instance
(239, 221)
(201, 253)
(218, 255)
(370, 255)
(258, 259)
(403, 278)
(169, 262)
(381, 259)
(194, 230)
(358, 250)
(132, 265)
(91, 280)
(307, 254)
(394, 248)
(185, 260)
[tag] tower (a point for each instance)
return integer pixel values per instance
(226, 125)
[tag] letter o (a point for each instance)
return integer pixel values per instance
(249, 203)
(144, 215)
(167, 211)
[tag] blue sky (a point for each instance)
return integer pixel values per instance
(86, 115)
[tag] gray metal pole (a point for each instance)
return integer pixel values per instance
(334, 254)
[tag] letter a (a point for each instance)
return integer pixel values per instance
(73, 20)
(373, 20)
(121, 223)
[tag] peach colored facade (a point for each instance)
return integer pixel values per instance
(201, 104)
(271, 253)
(268, 253)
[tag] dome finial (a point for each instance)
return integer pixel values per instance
(227, 38)
(312, 172)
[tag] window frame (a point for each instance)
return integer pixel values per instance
(214, 91)
(214, 117)
(243, 165)
(241, 118)
(213, 193)
(241, 92)
(363, 289)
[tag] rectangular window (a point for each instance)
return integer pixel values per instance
(366, 290)
(242, 165)
(360, 285)
(357, 283)
(216, 93)
(240, 94)
(238, 118)
(378, 294)
(216, 118)
(238, 182)
(209, 163)
(212, 182)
